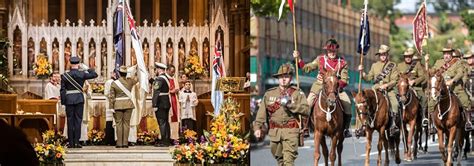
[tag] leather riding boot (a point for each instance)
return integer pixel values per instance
(360, 132)
(432, 129)
(468, 125)
(347, 124)
(393, 127)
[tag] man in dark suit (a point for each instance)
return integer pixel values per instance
(72, 96)
(161, 103)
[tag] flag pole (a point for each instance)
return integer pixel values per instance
(362, 44)
(296, 46)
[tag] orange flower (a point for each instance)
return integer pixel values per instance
(179, 157)
(58, 155)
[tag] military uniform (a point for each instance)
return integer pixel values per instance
(121, 101)
(281, 117)
(468, 81)
(72, 97)
(417, 73)
(339, 65)
(453, 70)
(161, 104)
(386, 73)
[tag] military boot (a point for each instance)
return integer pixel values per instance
(394, 130)
(347, 124)
(360, 132)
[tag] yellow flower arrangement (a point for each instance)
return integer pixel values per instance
(42, 68)
(193, 67)
(50, 153)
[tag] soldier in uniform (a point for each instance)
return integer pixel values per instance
(336, 63)
(120, 97)
(72, 96)
(384, 73)
(280, 108)
(453, 71)
(417, 76)
(468, 80)
(161, 104)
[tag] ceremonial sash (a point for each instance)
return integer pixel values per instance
(124, 90)
(385, 72)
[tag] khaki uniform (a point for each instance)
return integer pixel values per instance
(284, 130)
(454, 72)
(468, 80)
(391, 79)
(123, 107)
(420, 76)
(343, 74)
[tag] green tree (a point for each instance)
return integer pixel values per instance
(267, 8)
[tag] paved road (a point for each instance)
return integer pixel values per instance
(353, 154)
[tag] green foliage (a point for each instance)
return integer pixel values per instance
(435, 44)
(268, 8)
(398, 43)
(444, 25)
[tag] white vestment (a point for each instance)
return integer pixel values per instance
(188, 107)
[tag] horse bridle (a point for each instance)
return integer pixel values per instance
(439, 98)
(370, 117)
(326, 93)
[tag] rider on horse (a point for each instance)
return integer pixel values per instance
(280, 108)
(468, 80)
(330, 61)
(417, 74)
(453, 71)
(384, 73)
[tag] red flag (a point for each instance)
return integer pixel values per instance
(290, 3)
(419, 27)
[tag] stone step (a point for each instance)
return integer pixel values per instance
(109, 155)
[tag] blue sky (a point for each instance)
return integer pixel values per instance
(409, 6)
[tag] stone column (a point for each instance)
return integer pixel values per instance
(137, 13)
(192, 4)
(156, 11)
(99, 11)
(175, 12)
(80, 10)
(62, 15)
(61, 55)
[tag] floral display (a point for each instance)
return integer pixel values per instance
(193, 67)
(52, 137)
(147, 138)
(51, 151)
(97, 88)
(96, 137)
(223, 144)
(42, 68)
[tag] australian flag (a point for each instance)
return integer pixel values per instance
(364, 35)
(118, 37)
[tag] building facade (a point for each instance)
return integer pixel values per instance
(317, 21)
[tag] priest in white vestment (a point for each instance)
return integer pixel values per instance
(174, 117)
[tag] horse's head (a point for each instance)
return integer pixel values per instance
(330, 87)
(362, 106)
(436, 84)
(403, 86)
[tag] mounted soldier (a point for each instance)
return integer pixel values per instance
(330, 61)
(280, 108)
(417, 74)
(453, 71)
(384, 74)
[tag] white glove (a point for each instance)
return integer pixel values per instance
(84, 66)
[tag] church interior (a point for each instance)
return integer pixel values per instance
(170, 31)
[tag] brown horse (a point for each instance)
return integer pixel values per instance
(373, 112)
(446, 116)
(328, 120)
(411, 115)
